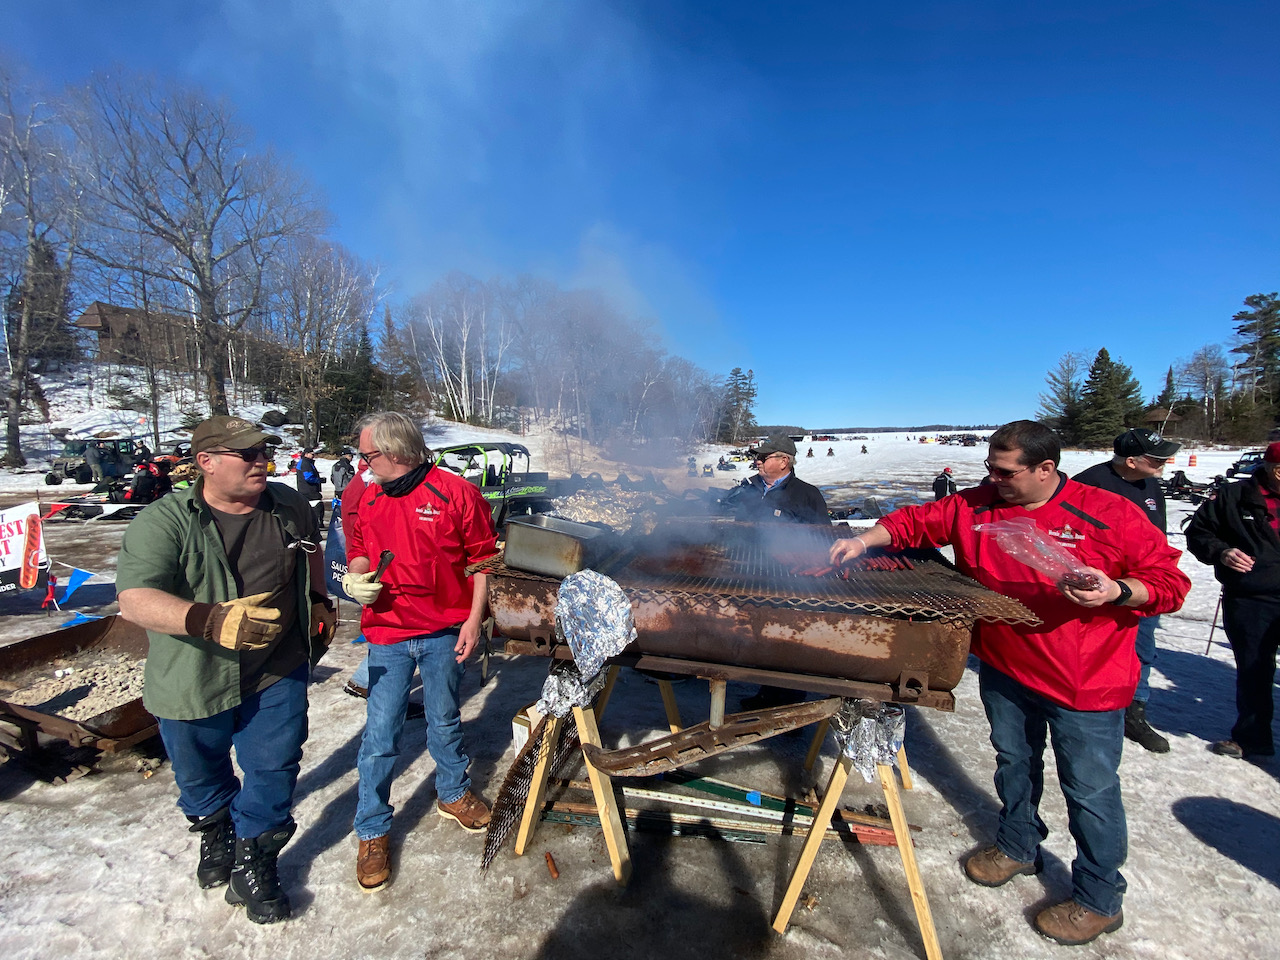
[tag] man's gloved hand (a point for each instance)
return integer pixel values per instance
(361, 587)
(235, 624)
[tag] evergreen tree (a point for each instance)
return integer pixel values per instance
(738, 420)
(353, 388)
(1112, 401)
(1259, 331)
(1169, 395)
(1061, 404)
(51, 338)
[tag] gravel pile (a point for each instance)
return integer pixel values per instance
(83, 689)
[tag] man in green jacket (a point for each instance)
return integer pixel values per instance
(235, 617)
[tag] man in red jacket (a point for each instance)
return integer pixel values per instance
(1072, 675)
(424, 612)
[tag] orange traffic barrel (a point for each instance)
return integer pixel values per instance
(1191, 461)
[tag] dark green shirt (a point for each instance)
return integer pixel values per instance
(174, 545)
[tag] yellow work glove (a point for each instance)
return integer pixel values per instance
(361, 587)
(235, 624)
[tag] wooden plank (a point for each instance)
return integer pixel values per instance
(602, 701)
(893, 800)
(907, 783)
(538, 788)
(674, 723)
(815, 745)
(615, 834)
(809, 853)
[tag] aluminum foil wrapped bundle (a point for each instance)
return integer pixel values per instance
(869, 733)
(565, 689)
(594, 615)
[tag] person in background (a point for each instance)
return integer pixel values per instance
(93, 457)
(424, 614)
(1133, 472)
(341, 474)
(1068, 677)
(309, 483)
(228, 581)
(943, 485)
(151, 482)
(776, 495)
(1238, 532)
(141, 453)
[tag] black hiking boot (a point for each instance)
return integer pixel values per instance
(217, 847)
(254, 881)
(1139, 731)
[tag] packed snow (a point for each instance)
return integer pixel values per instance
(103, 866)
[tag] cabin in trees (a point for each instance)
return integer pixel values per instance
(127, 335)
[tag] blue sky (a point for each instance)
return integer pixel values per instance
(893, 213)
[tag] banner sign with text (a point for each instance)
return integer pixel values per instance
(22, 557)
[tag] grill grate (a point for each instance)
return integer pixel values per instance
(748, 565)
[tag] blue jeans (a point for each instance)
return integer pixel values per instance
(1145, 646)
(360, 675)
(391, 667)
(1087, 746)
(267, 730)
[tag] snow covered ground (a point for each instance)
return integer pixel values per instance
(102, 866)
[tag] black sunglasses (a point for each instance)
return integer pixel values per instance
(251, 455)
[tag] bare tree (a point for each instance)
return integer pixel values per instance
(174, 165)
(324, 294)
(39, 195)
(1203, 377)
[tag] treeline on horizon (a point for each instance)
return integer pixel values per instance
(1216, 394)
(146, 195)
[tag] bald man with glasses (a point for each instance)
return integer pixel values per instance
(228, 581)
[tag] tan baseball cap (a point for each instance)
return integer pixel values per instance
(234, 433)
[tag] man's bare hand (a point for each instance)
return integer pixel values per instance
(1106, 591)
(468, 637)
(846, 549)
(1233, 558)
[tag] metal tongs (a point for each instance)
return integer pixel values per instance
(384, 561)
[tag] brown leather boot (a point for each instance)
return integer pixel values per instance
(373, 863)
(991, 868)
(468, 810)
(1071, 924)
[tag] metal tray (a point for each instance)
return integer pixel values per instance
(554, 547)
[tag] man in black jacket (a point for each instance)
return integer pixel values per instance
(309, 483)
(943, 485)
(1237, 533)
(1140, 456)
(776, 495)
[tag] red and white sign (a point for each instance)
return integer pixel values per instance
(22, 557)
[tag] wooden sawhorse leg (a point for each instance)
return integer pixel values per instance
(674, 723)
(615, 834)
(538, 788)
(901, 831)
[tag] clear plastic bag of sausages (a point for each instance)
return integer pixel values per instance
(1021, 539)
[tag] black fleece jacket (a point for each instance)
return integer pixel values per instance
(1238, 517)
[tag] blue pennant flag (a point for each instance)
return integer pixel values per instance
(74, 582)
(78, 619)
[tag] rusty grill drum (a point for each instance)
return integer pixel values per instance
(764, 597)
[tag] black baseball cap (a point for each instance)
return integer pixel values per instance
(778, 443)
(1145, 443)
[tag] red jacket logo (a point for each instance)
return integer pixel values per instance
(426, 512)
(1066, 533)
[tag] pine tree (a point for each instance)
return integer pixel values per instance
(1259, 331)
(738, 420)
(1169, 395)
(1061, 404)
(51, 338)
(1112, 401)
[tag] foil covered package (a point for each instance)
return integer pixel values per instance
(869, 733)
(594, 615)
(565, 689)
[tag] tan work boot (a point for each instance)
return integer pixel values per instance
(373, 863)
(991, 868)
(468, 810)
(1071, 924)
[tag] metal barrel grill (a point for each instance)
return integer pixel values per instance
(761, 602)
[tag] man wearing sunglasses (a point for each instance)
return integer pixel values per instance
(228, 581)
(1070, 676)
(1133, 472)
(423, 614)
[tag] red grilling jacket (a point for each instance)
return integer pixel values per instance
(435, 531)
(1079, 657)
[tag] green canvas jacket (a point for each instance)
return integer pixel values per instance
(173, 545)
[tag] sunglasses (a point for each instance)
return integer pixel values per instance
(1154, 461)
(1001, 472)
(251, 455)
(769, 457)
(369, 457)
